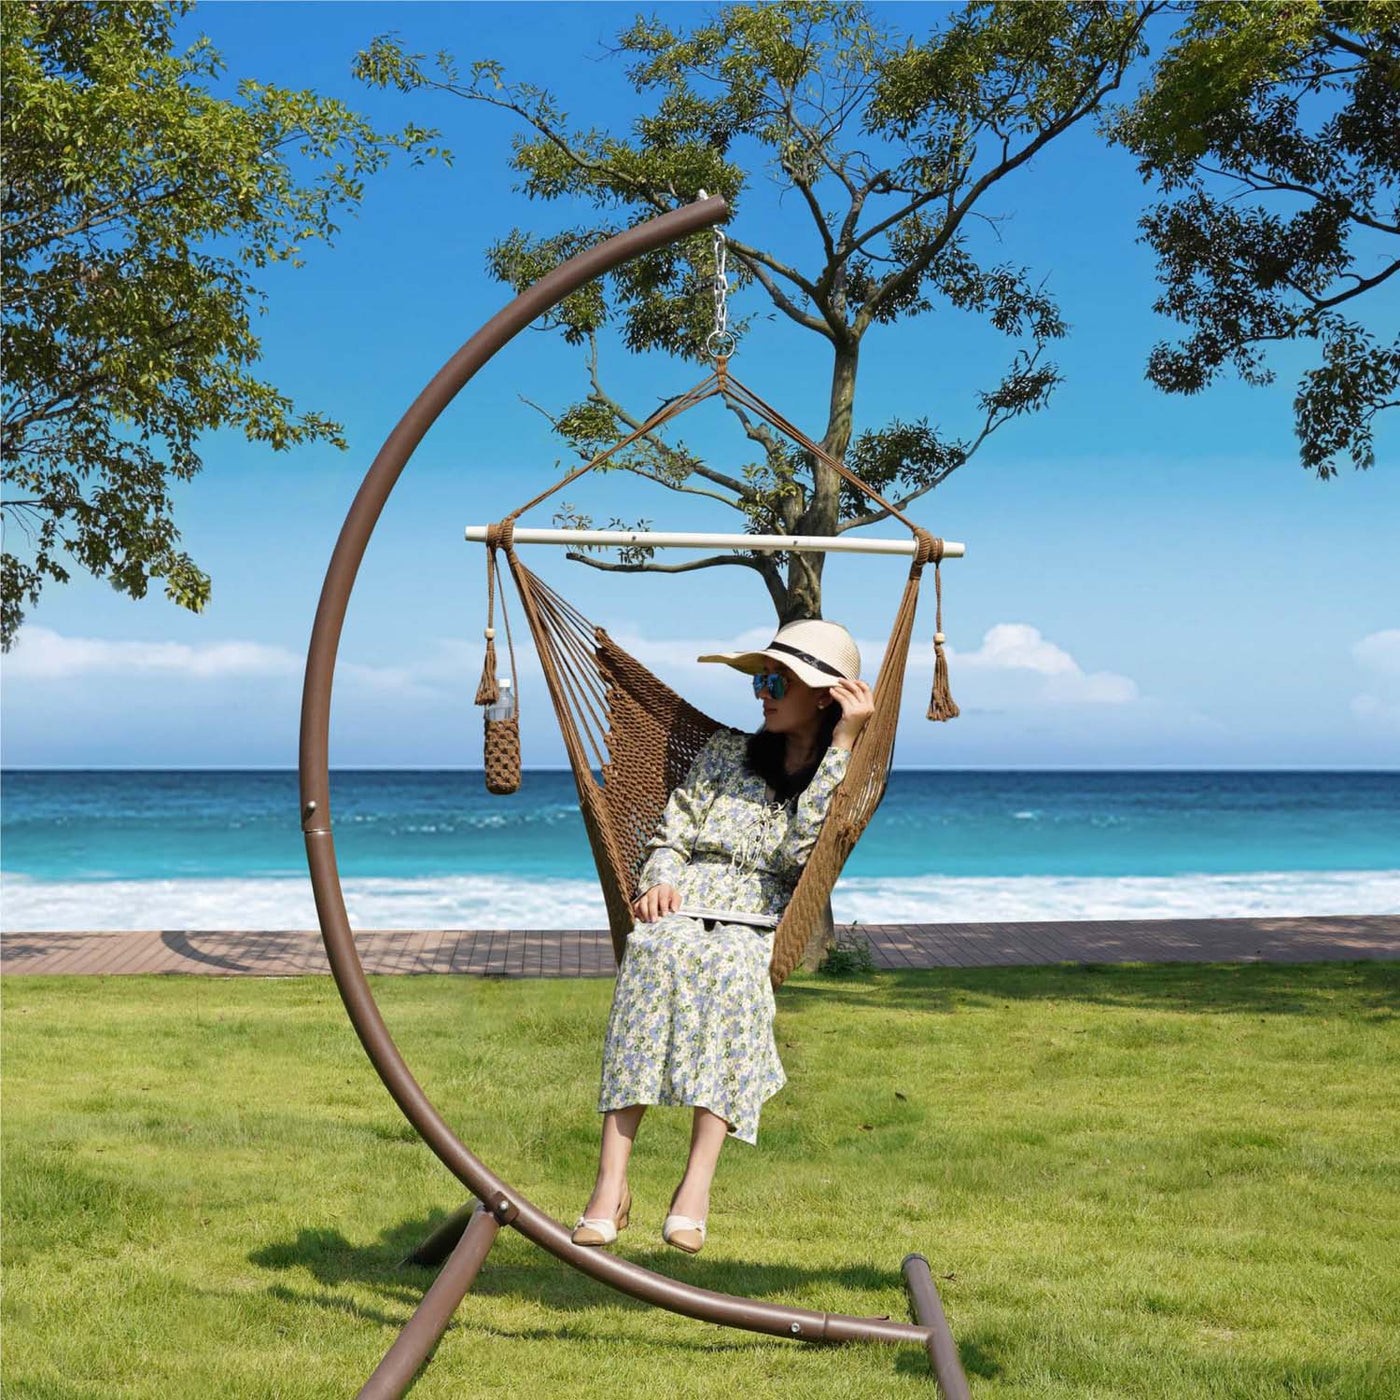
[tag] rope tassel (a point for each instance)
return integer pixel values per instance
(487, 691)
(941, 704)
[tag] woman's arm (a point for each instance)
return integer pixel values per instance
(857, 703)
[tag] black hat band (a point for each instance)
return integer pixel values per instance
(808, 658)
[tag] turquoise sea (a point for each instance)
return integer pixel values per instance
(119, 849)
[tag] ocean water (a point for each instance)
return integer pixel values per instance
(223, 849)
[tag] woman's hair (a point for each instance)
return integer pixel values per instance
(766, 751)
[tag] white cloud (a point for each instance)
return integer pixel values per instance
(1379, 653)
(1015, 652)
(1018, 646)
(1015, 661)
(41, 654)
(679, 653)
(1373, 710)
(1014, 666)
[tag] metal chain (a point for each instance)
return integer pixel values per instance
(720, 342)
(721, 284)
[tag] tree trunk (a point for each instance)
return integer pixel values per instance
(804, 592)
(823, 510)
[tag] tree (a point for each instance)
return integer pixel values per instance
(137, 207)
(1298, 104)
(892, 148)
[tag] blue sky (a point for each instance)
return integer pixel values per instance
(1150, 581)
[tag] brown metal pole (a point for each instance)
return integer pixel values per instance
(429, 1322)
(928, 1309)
(507, 1205)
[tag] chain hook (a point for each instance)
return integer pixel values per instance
(720, 341)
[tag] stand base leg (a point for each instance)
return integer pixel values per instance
(928, 1312)
(402, 1360)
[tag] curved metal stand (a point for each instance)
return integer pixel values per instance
(504, 1205)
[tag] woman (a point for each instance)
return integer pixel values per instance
(692, 1013)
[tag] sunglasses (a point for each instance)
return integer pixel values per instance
(775, 684)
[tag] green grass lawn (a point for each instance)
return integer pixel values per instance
(1130, 1181)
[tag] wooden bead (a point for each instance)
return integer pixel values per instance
(490, 633)
(939, 638)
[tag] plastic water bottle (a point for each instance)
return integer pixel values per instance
(504, 707)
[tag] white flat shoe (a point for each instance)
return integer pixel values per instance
(599, 1229)
(682, 1232)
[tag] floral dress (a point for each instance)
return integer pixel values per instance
(692, 1012)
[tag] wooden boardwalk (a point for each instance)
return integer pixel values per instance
(588, 952)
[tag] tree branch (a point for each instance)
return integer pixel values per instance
(989, 426)
(915, 268)
(681, 486)
(803, 184)
(602, 397)
(607, 174)
(1261, 184)
(114, 208)
(758, 262)
(64, 402)
(912, 207)
(713, 561)
(1363, 284)
(1347, 45)
(900, 282)
(758, 433)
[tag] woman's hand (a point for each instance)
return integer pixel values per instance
(857, 703)
(659, 900)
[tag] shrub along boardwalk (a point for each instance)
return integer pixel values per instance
(588, 952)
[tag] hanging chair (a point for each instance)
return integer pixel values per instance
(631, 738)
(636, 704)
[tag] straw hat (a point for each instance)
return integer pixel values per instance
(820, 653)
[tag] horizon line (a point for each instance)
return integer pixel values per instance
(564, 768)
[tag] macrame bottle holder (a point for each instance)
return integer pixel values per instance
(502, 756)
(501, 743)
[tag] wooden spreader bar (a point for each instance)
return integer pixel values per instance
(687, 539)
(465, 1240)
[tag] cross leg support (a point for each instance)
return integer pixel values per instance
(412, 1345)
(928, 1312)
(464, 1238)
